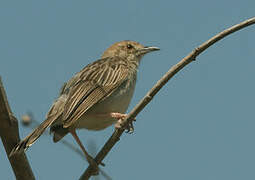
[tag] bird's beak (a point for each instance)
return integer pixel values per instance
(147, 49)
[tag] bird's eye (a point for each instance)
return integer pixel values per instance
(129, 46)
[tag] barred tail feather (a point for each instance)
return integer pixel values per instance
(32, 137)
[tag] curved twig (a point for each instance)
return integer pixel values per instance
(155, 89)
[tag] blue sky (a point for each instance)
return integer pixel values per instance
(201, 124)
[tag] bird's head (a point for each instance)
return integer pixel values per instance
(129, 50)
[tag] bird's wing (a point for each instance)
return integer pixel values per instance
(95, 82)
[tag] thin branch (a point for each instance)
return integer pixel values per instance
(155, 89)
(10, 137)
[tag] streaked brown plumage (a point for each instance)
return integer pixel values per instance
(96, 97)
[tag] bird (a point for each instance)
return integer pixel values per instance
(94, 98)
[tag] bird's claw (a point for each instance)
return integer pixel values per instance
(130, 128)
(119, 124)
(95, 168)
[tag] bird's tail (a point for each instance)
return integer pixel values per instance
(32, 137)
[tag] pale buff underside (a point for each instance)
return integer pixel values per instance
(98, 116)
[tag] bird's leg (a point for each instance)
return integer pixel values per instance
(120, 118)
(119, 123)
(90, 160)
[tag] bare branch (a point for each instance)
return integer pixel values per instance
(155, 89)
(10, 137)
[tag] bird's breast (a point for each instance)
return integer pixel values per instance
(118, 101)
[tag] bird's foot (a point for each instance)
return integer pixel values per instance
(119, 123)
(95, 168)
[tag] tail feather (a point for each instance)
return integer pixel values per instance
(32, 137)
(58, 132)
